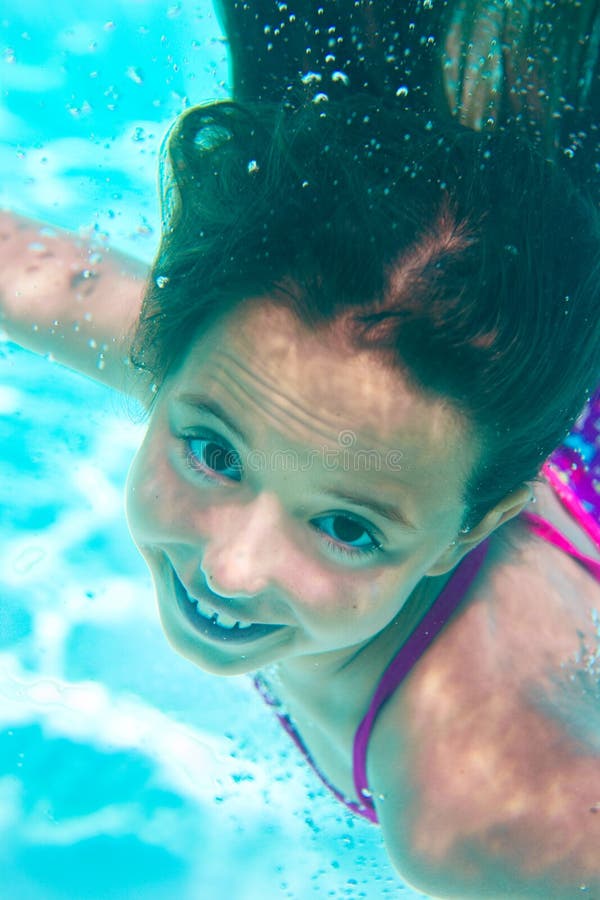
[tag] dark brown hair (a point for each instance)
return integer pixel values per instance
(465, 259)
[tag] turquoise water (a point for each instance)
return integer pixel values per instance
(125, 772)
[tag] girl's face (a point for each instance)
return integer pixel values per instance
(293, 487)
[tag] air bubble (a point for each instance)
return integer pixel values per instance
(402, 91)
(135, 75)
(211, 137)
(311, 77)
(340, 76)
(162, 281)
(253, 167)
(144, 227)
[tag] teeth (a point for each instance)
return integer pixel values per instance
(207, 612)
(226, 621)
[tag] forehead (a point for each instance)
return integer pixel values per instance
(265, 348)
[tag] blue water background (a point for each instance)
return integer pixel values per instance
(125, 772)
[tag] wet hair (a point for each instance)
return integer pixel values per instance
(531, 65)
(466, 260)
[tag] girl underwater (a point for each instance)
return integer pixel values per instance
(365, 331)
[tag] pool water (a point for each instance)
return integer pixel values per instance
(125, 772)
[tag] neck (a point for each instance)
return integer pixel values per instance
(319, 676)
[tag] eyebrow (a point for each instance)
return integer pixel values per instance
(210, 406)
(379, 507)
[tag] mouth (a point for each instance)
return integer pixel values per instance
(216, 625)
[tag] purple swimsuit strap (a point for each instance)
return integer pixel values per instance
(262, 688)
(437, 617)
(550, 534)
(423, 635)
(572, 499)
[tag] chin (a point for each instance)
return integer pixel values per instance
(225, 659)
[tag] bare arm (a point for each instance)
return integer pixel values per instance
(61, 296)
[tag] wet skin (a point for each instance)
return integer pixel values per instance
(251, 519)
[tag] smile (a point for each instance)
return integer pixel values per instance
(216, 625)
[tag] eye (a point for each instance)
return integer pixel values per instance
(350, 536)
(212, 457)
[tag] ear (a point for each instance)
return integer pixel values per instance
(509, 507)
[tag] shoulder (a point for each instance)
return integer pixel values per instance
(486, 764)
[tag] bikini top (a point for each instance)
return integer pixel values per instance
(424, 634)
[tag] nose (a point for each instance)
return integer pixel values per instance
(244, 551)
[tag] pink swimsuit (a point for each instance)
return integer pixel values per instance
(574, 473)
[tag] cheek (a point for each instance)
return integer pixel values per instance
(345, 598)
(136, 493)
(369, 604)
(150, 495)
(160, 502)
